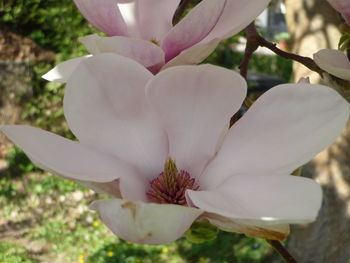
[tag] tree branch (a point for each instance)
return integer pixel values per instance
(254, 40)
(251, 46)
(282, 251)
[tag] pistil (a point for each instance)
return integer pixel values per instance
(171, 185)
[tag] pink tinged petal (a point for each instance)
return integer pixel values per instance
(346, 14)
(343, 7)
(269, 199)
(64, 157)
(193, 28)
(193, 55)
(282, 130)
(144, 52)
(64, 70)
(145, 223)
(236, 15)
(105, 107)
(155, 18)
(194, 103)
(104, 15)
(334, 62)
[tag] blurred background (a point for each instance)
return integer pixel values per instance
(44, 218)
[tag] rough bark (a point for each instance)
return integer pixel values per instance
(17, 53)
(314, 25)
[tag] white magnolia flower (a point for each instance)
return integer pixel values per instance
(160, 145)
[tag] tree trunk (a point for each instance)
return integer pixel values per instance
(313, 25)
(16, 55)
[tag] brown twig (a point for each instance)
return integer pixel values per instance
(251, 46)
(254, 40)
(282, 251)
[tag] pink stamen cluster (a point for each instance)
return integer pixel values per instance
(170, 186)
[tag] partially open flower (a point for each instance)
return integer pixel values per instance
(160, 145)
(334, 62)
(143, 29)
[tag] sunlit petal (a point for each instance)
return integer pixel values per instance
(64, 70)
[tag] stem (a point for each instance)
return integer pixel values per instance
(282, 251)
(254, 40)
(252, 45)
(306, 61)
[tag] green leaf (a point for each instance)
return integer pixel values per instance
(201, 232)
(344, 42)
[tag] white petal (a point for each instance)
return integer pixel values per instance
(194, 103)
(334, 62)
(64, 157)
(105, 107)
(146, 223)
(260, 230)
(142, 51)
(270, 199)
(283, 130)
(64, 70)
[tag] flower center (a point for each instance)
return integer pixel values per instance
(170, 186)
(155, 42)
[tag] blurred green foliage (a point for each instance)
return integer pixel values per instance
(15, 254)
(54, 25)
(226, 56)
(56, 217)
